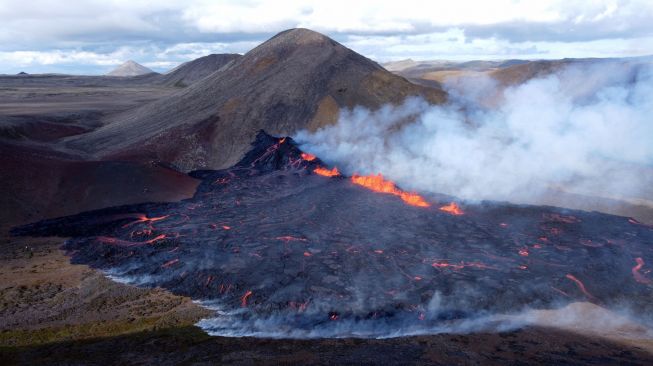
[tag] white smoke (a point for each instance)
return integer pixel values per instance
(586, 128)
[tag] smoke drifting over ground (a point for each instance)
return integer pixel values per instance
(587, 129)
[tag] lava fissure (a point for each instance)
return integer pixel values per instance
(268, 235)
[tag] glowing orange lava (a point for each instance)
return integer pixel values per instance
(144, 218)
(326, 172)
(461, 265)
(452, 208)
(378, 184)
(243, 300)
(155, 239)
(308, 157)
(638, 276)
(581, 286)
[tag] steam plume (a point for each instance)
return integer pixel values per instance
(587, 129)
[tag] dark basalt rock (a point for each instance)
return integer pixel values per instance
(285, 252)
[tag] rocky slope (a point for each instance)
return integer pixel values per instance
(195, 70)
(298, 79)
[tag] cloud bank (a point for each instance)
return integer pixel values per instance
(587, 129)
(464, 29)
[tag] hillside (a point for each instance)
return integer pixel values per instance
(192, 71)
(298, 79)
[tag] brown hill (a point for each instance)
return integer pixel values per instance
(298, 79)
(192, 71)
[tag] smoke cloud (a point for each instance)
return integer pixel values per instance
(585, 128)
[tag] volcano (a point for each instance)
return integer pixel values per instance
(278, 249)
(298, 79)
(130, 68)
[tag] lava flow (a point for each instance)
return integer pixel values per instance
(326, 172)
(243, 300)
(453, 209)
(308, 157)
(638, 276)
(378, 184)
(268, 226)
(581, 287)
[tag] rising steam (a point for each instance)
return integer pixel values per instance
(585, 129)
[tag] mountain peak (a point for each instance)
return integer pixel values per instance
(294, 39)
(301, 36)
(130, 68)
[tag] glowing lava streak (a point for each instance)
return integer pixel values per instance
(461, 265)
(144, 218)
(581, 286)
(308, 157)
(125, 243)
(452, 208)
(243, 300)
(169, 263)
(638, 276)
(378, 184)
(326, 172)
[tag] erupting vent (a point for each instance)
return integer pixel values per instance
(284, 246)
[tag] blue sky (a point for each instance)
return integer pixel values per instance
(92, 37)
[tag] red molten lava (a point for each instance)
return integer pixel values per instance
(308, 157)
(581, 286)
(243, 300)
(326, 172)
(452, 208)
(169, 263)
(125, 243)
(378, 184)
(461, 265)
(144, 218)
(638, 276)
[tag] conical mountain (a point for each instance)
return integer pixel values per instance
(130, 68)
(298, 79)
(192, 71)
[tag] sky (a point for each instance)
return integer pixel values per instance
(93, 37)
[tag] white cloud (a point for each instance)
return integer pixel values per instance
(460, 29)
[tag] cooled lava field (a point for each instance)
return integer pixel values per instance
(283, 245)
